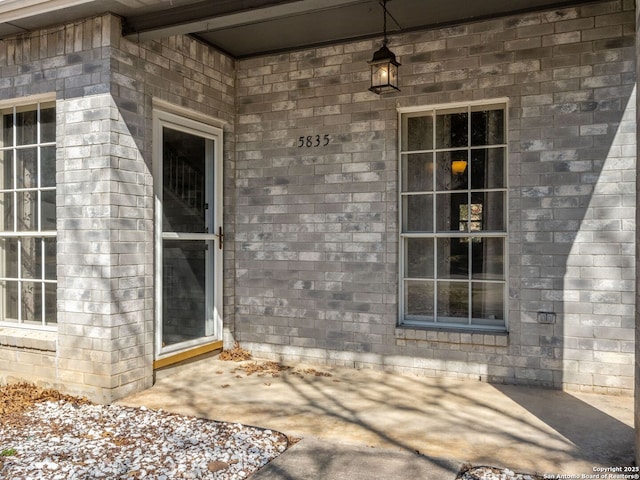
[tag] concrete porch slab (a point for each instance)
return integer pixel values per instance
(524, 429)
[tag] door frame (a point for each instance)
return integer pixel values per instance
(180, 351)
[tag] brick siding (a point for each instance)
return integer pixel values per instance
(104, 86)
(317, 228)
(311, 257)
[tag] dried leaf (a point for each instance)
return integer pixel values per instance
(236, 354)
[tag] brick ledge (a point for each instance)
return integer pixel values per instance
(30, 339)
(491, 338)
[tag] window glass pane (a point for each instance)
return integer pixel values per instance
(417, 174)
(488, 303)
(418, 132)
(48, 167)
(31, 257)
(9, 300)
(490, 211)
(452, 128)
(418, 299)
(47, 125)
(453, 302)
(9, 258)
(32, 302)
(48, 208)
(419, 258)
(183, 165)
(448, 211)
(50, 303)
(487, 258)
(183, 283)
(418, 213)
(487, 126)
(27, 167)
(6, 204)
(487, 168)
(26, 128)
(453, 258)
(7, 128)
(471, 217)
(27, 211)
(6, 157)
(452, 170)
(50, 258)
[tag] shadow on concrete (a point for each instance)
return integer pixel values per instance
(596, 435)
(312, 459)
(374, 417)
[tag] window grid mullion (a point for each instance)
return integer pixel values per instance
(42, 284)
(469, 243)
(38, 152)
(434, 228)
(19, 280)
(434, 233)
(14, 161)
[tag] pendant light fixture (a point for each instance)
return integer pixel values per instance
(384, 66)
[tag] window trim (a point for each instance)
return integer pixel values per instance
(29, 103)
(434, 324)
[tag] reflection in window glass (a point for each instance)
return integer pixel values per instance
(26, 127)
(452, 129)
(183, 282)
(448, 211)
(418, 172)
(27, 167)
(492, 208)
(453, 302)
(47, 125)
(30, 256)
(453, 258)
(418, 213)
(487, 127)
(451, 171)
(183, 182)
(487, 258)
(488, 303)
(48, 167)
(419, 258)
(419, 297)
(418, 133)
(488, 168)
(6, 157)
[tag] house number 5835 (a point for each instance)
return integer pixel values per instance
(314, 141)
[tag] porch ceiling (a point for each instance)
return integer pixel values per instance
(245, 28)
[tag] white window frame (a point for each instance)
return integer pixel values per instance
(32, 103)
(434, 321)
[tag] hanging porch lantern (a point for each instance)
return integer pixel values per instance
(384, 66)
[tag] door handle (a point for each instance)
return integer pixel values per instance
(220, 236)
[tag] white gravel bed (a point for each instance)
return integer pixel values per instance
(491, 473)
(60, 440)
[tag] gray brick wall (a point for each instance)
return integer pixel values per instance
(104, 87)
(316, 253)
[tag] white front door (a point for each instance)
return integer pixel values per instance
(188, 192)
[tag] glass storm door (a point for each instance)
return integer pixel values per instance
(188, 257)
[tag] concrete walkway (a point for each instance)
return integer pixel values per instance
(370, 424)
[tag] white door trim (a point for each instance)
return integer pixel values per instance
(215, 197)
